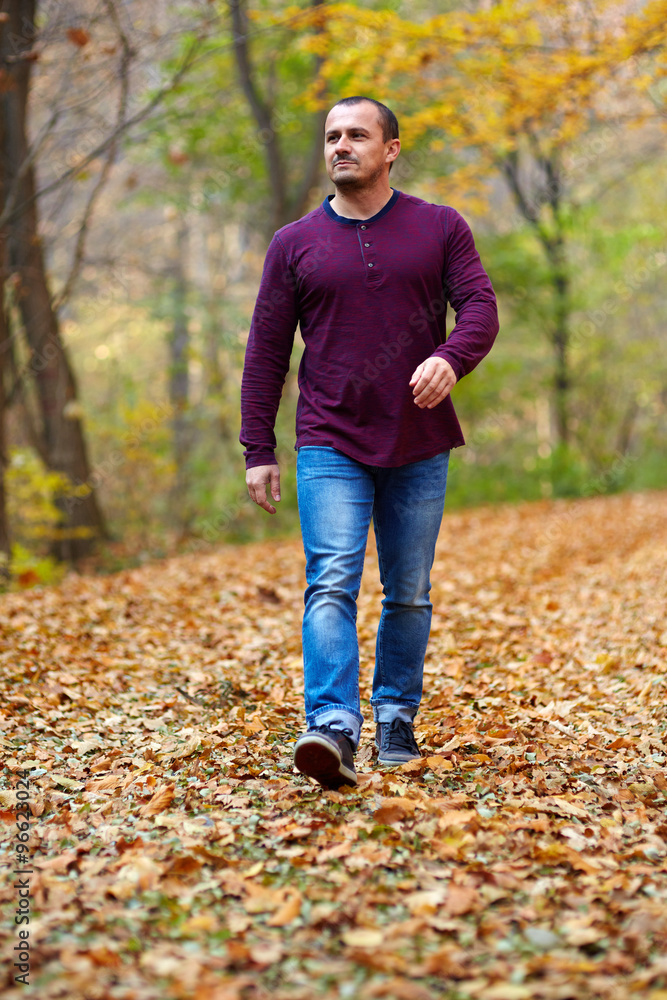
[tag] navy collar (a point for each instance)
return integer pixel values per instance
(326, 205)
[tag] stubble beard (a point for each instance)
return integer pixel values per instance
(355, 183)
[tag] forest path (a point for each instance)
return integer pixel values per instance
(174, 852)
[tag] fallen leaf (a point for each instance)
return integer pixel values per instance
(363, 937)
(159, 801)
(288, 912)
(461, 899)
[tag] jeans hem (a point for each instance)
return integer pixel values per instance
(387, 711)
(340, 716)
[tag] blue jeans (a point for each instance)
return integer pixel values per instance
(337, 497)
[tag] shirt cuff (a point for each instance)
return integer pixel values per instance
(262, 458)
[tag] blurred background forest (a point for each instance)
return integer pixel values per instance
(149, 151)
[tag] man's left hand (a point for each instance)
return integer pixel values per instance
(433, 379)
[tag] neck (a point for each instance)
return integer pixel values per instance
(363, 204)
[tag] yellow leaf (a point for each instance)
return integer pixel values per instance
(363, 937)
(506, 991)
(202, 922)
(436, 762)
(422, 903)
(288, 912)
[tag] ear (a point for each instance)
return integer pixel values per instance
(393, 149)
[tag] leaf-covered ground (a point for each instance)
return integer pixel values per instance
(176, 853)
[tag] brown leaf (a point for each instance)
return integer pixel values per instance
(261, 898)
(60, 863)
(185, 865)
(446, 961)
(461, 899)
(455, 817)
(159, 801)
(394, 809)
(104, 784)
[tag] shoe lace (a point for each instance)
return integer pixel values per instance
(399, 734)
(332, 729)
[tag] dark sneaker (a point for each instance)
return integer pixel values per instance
(396, 742)
(325, 754)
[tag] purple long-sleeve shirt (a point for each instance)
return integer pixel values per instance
(371, 298)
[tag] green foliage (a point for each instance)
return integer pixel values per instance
(33, 517)
(208, 140)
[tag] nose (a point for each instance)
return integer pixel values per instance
(342, 145)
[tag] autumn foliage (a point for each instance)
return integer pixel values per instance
(176, 852)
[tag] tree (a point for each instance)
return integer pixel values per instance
(58, 432)
(287, 204)
(61, 428)
(5, 545)
(510, 89)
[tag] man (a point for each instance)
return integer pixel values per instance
(367, 275)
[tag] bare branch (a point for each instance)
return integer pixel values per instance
(510, 168)
(124, 73)
(261, 111)
(314, 164)
(9, 215)
(31, 156)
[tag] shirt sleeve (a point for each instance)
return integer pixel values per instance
(267, 356)
(469, 290)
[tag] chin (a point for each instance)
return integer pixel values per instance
(348, 180)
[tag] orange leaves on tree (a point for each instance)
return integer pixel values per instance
(78, 37)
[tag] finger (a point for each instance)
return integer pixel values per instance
(428, 385)
(441, 394)
(433, 394)
(423, 382)
(417, 373)
(275, 484)
(264, 503)
(258, 496)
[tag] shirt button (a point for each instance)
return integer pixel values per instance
(370, 265)
(366, 244)
(362, 227)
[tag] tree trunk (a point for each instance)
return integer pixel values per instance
(286, 206)
(5, 546)
(179, 382)
(56, 390)
(560, 339)
(553, 241)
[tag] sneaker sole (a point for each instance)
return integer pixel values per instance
(394, 762)
(317, 758)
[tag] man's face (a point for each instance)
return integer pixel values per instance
(355, 153)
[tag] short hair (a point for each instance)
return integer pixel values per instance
(386, 117)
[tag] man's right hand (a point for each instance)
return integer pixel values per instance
(257, 480)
